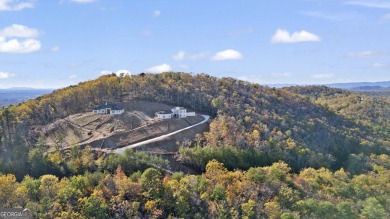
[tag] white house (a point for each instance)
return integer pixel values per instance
(109, 108)
(177, 112)
(165, 114)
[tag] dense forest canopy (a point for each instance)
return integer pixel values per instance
(278, 153)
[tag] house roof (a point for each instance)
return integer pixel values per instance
(111, 106)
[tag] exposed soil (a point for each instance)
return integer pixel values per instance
(85, 128)
(153, 129)
(114, 131)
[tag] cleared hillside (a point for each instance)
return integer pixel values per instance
(115, 131)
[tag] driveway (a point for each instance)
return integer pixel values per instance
(122, 150)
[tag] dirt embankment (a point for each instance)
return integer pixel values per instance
(152, 130)
(112, 131)
(135, 125)
(84, 128)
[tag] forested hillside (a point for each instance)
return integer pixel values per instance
(278, 153)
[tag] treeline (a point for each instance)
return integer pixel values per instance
(261, 192)
(64, 163)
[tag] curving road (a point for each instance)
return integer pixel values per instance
(122, 150)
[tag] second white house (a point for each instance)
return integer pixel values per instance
(177, 112)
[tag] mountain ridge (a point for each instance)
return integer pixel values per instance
(346, 85)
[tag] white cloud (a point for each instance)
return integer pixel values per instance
(55, 49)
(370, 3)
(282, 75)
(15, 5)
(159, 68)
(283, 36)
(181, 55)
(19, 46)
(105, 72)
(252, 78)
(123, 72)
(386, 17)
(322, 76)
(379, 65)
(362, 54)
(156, 13)
(72, 77)
(4, 75)
(16, 45)
(17, 30)
(228, 54)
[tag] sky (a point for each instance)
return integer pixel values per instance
(57, 43)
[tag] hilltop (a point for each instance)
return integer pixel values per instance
(292, 146)
(261, 118)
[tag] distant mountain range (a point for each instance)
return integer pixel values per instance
(370, 88)
(24, 89)
(358, 86)
(362, 85)
(19, 94)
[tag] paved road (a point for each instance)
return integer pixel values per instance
(122, 150)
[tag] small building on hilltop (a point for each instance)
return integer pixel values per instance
(109, 108)
(177, 112)
(164, 114)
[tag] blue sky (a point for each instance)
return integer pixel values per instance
(56, 43)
